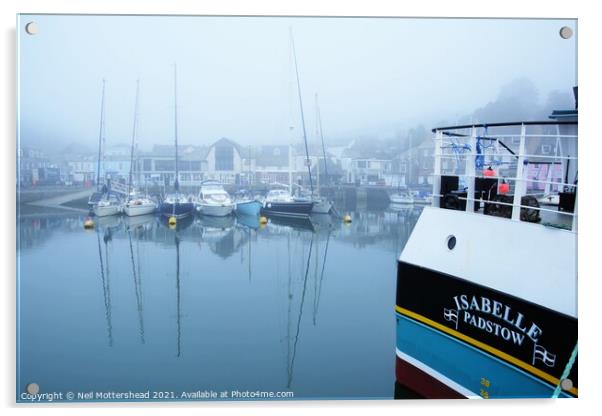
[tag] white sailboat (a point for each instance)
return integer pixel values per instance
(137, 203)
(103, 203)
(320, 205)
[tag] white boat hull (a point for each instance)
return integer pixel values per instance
(215, 210)
(423, 201)
(106, 210)
(142, 209)
(401, 200)
(321, 207)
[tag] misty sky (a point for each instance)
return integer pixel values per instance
(373, 75)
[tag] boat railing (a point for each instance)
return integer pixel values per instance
(507, 169)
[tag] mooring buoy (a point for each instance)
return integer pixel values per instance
(88, 223)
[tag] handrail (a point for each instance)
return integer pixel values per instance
(507, 124)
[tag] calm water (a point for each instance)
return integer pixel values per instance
(218, 304)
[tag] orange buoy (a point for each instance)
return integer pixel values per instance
(504, 188)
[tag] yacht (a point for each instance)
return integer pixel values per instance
(213, 200)
(138, 204)
(280, 203)
(176, 204)
(108, 204)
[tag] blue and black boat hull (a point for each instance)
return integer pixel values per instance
(457, 339)
(287, 209)
(178, 209)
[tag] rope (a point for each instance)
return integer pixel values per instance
(566, 372)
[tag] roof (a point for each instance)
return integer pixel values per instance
(271, 155)
(184, 151)
(224, 141)
(566, 115)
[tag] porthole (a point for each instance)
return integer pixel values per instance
(451, 242)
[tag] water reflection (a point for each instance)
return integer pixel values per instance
(136, 275)
(256, 306)
(105, 280)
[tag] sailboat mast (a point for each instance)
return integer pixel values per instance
(101, 133)
(134, 132)
(319, 117)
(175, 94)
(307, 162)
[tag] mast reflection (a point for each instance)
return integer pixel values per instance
(105, 280)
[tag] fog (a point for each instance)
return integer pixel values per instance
(380, 78)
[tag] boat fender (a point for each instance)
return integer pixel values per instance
(489, 172)
(504, 188)
(172, 221)
(347, 219)
(263, 220)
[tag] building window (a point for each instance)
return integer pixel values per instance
(190, 165)
(546, 149)
(224, 158)
(361, 164)
(165, 165)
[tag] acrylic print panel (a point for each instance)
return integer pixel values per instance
(285, 208)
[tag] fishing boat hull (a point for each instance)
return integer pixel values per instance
(287, 209)
(470, 325)
(249, 208)
(106, 210)
(132, 210)
(177, 209)
(215, 210)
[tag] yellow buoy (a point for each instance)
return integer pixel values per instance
(263, 220)
(172, 221)
(347, 219)
(88, 223)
